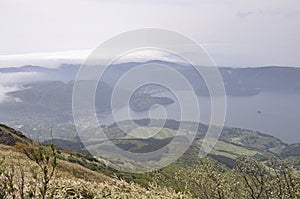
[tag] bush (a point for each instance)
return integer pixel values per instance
(12, 177)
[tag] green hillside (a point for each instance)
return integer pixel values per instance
(233, 142)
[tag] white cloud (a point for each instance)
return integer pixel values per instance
(6, 89)
(147, 55)
(48, 60)
(55, 59)
(9, 83)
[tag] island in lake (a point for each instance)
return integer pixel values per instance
(143, 102)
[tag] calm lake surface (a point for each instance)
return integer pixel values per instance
(273, 113)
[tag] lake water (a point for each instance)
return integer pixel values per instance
(273, 113)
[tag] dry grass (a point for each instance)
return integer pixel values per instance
(74, 181)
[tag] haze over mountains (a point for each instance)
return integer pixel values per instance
(263, 78)
(260, 98)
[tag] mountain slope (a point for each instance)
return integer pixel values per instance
(71, 180)
(80, 175)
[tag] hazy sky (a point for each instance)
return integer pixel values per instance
(235, 32)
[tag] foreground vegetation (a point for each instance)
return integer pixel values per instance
(36, 171)
(248, 179)
(24, 177)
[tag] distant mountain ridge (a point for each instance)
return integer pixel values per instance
(238, 81)
(64, 73)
